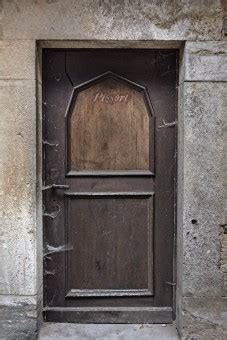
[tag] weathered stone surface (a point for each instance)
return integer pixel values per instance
(113, 20)
(201, 191)
(71, 331)
(18, 187)
(223, 260)
(17, 59)
(109, 44)
(204, 318)
(205, 61)
(18, 323)
(18, 168)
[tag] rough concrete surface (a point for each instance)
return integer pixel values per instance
(61, 331)
(17, 188)
(223, 260)
(204, 106)
(17, 59)
(18, 322)
(205, 61)
(204, 318)
(17, 168)
(112, 20)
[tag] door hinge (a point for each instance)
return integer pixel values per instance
(171, 283)
(167, 125)
(56, 186)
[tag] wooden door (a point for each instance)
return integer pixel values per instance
(109, 168)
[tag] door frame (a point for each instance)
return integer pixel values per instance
(99, 44)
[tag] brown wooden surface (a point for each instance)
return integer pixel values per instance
(110, 315)
(104, 244)
(225, 16)
(109, 128)
(225, 7)
(112, 245)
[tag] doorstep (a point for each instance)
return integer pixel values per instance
(62, 331)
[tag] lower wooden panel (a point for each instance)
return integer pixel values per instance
(110, 315)
(111, 236)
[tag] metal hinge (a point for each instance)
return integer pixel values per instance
(56, 186)
(171, 283)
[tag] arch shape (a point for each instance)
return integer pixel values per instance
(109, 126)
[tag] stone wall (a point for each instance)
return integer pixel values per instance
(223, 260)
(112, 20)
(203, 93)
(18, 266)
(202, 106)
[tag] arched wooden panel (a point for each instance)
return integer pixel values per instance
(109, 127)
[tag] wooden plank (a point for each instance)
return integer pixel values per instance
(225, 16)
(111, 243)
(109, 127)
(108, 292)
(107, 194)
(56, 94)
(110, 173)
(110, 315)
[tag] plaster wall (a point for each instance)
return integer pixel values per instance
(193, 26)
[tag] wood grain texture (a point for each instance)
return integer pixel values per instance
(225, 17)
(111, 240)
(109, 128)
(82, 220)
(110, 315)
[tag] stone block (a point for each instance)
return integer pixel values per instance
(204, 318)
(18, 187)
(202, 113)
(18, 322)
(72, 331)
(205, 61)
(17, 59)
(113, 20)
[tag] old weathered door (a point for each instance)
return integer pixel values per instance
(109, 165)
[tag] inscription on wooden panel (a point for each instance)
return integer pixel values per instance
(109, 128)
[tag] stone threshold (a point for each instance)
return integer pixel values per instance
(60, 331)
